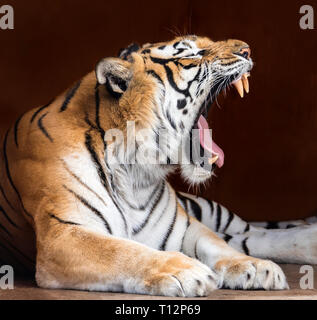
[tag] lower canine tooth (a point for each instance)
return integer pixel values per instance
(239, 86)
(213, 160)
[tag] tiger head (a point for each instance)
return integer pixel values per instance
(169, 88)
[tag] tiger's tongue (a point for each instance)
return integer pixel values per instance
(207, 143)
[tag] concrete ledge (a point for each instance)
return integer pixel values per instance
(26, 289)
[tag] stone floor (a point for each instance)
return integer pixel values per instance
(27, 290)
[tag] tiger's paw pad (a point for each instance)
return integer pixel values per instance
(246, 273)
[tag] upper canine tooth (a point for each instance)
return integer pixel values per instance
(213, 159)
(245, 83)
(239, 86)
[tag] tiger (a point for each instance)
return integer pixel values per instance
(77, 214)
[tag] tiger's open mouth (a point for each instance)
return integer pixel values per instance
(214, 153)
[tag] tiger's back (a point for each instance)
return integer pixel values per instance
(29, 147)
(17, 237)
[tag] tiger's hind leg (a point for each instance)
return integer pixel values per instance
(285, 224)
(286, 242)
(294, 245)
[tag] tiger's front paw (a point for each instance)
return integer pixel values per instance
(250, 273)
(174, 274)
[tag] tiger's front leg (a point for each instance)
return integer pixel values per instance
(74, 255)
(235, 270)
(81, 259)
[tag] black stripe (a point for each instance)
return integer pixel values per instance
(39, 110)
(9, 175)
(5, 230)
(87, 120)
(272, 225)
(227, 238)
(169, 231)
(187, 226)
(245, 247)
(171, 121)
(181, 103)
(70, 94)
(290, 226)
(101, 174)
(126, 52)
(164, 209)
(218, 217)
(247, 228)
(183, 199)
(98, 125)
(155, 75)
(181, 124)
(163, 62)
(196, 209)
(97, 104)
(144, 206)
(156, 202)
(211, 204)
(6, 199)
(228, 63)
(7, 217)
(90, 207)
(170, 76)
(173, 84)
(82, 183)
(40, 125)
(230, 218)
(179, 51)
(94, 157)
(195, 251)
(16, 127)
(201, 52)
(63, 221)
(187, 44)
(190, 66)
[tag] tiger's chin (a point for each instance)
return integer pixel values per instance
(195, 174)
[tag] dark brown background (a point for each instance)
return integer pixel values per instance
(269, 137)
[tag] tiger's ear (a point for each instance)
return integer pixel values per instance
(115, 74)
(125, 54)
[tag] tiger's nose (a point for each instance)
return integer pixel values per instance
(245, 52)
